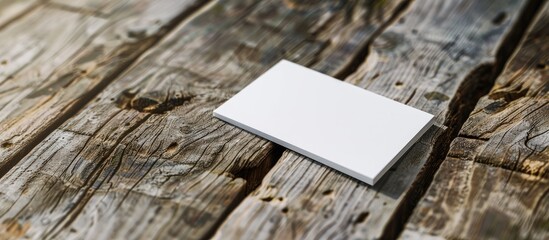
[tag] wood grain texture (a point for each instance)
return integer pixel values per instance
(436, 57)
(472, 200)
(494, 184)
(55, 59)
(11, 10)
(146, 158)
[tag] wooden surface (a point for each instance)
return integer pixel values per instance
(55, 59)
(430, 68)
(149, 138)
(107, 129)
(494, 182)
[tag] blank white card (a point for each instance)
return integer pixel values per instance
(345, 127)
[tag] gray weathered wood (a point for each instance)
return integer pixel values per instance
(433, 58)
(10, 10)
(494, 184)
(56, 59)
(146, 158)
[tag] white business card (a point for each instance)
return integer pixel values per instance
(345, 127)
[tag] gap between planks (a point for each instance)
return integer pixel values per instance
(460, 110)
(476, 85)
(356, 61)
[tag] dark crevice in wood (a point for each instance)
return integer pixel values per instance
(327, 192)
(22, 14)
(499, 18)
(476, 85)
(462, 135)
(73, 109)
(361, 217)
(6, 144)
(254, 176)
(411, 96)
(210, 233)
(150, 104)
(266, 199)
(172, 147)
(509, 95)
(363, 51)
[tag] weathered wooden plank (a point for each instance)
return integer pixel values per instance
(494, 184)
(11, 10)
(146, 158)
(54, 60)
(472, 200)
(433, 58)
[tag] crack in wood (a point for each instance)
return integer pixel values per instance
(160, 103)
(152, 102)
(462, 135)
(480, 66)
(253, 176)
(477, 84)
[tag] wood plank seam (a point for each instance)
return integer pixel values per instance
(253, 177)
(236, 160)
(461, 105)
(349, 69)
(476, 85)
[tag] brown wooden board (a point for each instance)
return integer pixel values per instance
(494, 184)
(54, 59)
(437, 57)
(146, 158)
